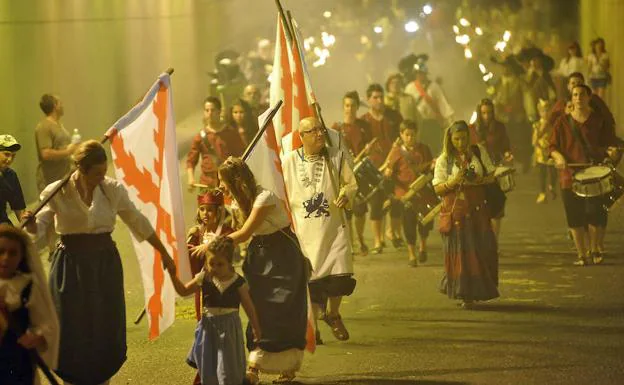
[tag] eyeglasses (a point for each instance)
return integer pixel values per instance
(314, 131)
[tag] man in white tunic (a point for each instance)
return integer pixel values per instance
(434, 110)
(317, 204)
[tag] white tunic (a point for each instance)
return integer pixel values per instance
(72, 216)
(437, 95)
(318, 224)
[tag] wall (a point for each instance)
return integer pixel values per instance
(99, 56)
(604, 18)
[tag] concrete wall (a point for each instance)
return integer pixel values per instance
(604, 18)
(100, 56)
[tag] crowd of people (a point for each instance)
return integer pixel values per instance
(404, 162)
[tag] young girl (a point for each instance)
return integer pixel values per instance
(27, 316)
(210, 221)
(541, 136)
(218, 352)
(598, 63)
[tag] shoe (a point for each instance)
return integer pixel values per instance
(552, 192)
(583, 261)
(541, 198)
(597, 257)
(413, 262)
(363, 250)
(319, 341)
(469, 305)
(397, 243)
(377, 250)
(337, 327)
(422, 256)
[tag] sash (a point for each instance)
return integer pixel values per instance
(428, 99)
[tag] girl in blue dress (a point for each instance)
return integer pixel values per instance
(218, 352)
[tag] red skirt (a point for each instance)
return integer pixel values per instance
(470, 249)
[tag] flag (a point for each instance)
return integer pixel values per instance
(263, 158)
(290, 83)
(145, 159)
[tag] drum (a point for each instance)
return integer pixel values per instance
(369, 179)
(593, 181)
(425, 200)
(505, 178)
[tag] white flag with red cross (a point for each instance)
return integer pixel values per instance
(145, 158)
(290, 83)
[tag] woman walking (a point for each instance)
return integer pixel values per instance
(276, 271)
(86, 277)
(469, 244)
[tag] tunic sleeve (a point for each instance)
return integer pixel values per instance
(193, 155)
(45, 218)
(137, 222)
(440, 174)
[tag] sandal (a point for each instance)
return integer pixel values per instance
(422, 256)
(413, 262)
(363, 250)
(337, 327)
(397, 243)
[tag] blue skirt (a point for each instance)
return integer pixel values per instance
(86, 282)
(218, 352)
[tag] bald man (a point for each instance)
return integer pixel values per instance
(317, 210)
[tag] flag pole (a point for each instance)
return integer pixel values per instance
(65, 179)
(262, 129)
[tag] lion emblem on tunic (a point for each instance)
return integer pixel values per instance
(316, 205)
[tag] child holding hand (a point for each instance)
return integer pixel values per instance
(218, 352)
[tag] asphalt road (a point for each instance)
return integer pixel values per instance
(554, 323)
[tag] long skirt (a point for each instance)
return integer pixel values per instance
(86, 281)
(277, 274)
(471, 259)
(218, 352)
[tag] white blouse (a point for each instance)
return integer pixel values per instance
(597, 67)
(277, 217)
(569, 66)
(441, 175)
(72, 216)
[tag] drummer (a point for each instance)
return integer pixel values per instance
(584, 136)
(384, 123)
(492, 135)
(357, 134)
(405, 164)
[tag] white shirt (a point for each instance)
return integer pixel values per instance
(569, 66)
(72, 216)
(277, 217)
(435, 91)
(441, 175)
(597, 67)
